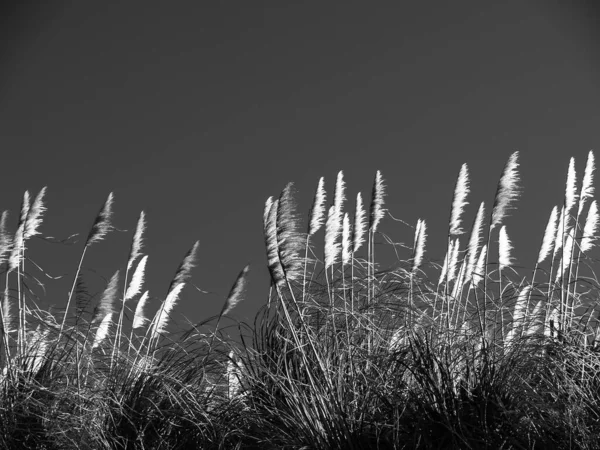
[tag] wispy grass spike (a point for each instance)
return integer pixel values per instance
(164, 312)
(570, 187)
(107, 302)
(505, 249)
(137, 242)
(270, 233)
(339, 195)
(478, 271)
(590, 229)
(421, 237)
(332, 234)
(360, 224)
(377, 212)
(34, 216)
(184, 271)
(139, 317)
(549, 236)
(135, 287)
(587, 187)
(5, 238)
(317, 210)
(103, 329)
(290, 240)
(346, 241)
(507, 191)
(475, 240)
(237, 291)
(102, 224)
(459, 201)
(564, 224)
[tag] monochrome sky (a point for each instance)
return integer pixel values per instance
(196, 112)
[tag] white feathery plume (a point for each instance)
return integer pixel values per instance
(164, 312)
(507, 190)
(5, 238)
(591, 228)
(34, 215)
(139, 319)
(570, 188)
(102, 331)
(377, 211)
(290, 241)
(237, 290)
(18, 240)
(346, 242)
(564, 224)
(135, 287)
(587, 187)
(266, 212)
(270, 232)
(106, 305)
(184, 271)
(549, 236)
(136, 244)
(420, 238)
(475, 241)
(317, 211)
(566, 255)
(102, 224)
(338, 195)
(446, 260)
(505, 247)
(360, 224)
(460, 280)
(332, 233)
(459, 201)
(453, 261)
(477, 274)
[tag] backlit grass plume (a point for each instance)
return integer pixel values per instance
(317, 211)
(360, 224)
(102, 225)
(507, 191)
(136, 245)
(459, 201)
(505, 249)
(377, 211)
(290, 241)
(549, 237)
(184, 271)
(587, 186)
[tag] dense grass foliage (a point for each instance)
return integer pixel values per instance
(345, 353)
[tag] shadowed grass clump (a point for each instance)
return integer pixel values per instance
(470, 353)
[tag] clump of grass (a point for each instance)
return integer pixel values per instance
(346, 353)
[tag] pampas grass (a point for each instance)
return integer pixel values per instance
(347, 352)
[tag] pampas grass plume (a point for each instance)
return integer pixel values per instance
(346, 241)
(164, 312)
(237, 291)
(587, 187)
(419, 246)
(459, 201)
(549, 236)
(102, 224)
(591, 228)
(507, 190)
(136, 244)
(478, 271)
(135, 287)
(183, 273)
(102, 331)
(377, 212)
(505, 247)
(475, 240)
(317, 211)
(360, 224)
(332, 233)
(139, 319)
(34, 216)
(570, 188)
(107, 301)
(290, 241)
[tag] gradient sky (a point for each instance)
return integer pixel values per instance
(196, 112)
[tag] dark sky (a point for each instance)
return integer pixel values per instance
(196, 113)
